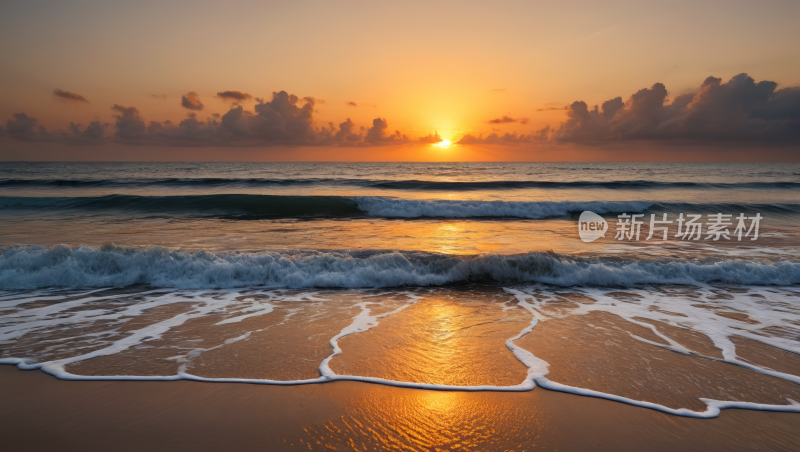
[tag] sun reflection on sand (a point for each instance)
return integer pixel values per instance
(415, 420)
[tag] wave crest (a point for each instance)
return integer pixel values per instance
(409, 208)
(64, 266)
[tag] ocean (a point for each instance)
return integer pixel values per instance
(448, 276)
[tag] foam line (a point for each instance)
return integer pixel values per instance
(528, 302)
(362, 322)
(713, 410)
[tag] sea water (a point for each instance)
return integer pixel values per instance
(453, 276)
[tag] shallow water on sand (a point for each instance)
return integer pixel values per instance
(677, 348)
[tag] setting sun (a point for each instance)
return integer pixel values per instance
(443, 144)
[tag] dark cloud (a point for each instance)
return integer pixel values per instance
(26, 128)
(284, 120)
(431, 139)
(191, 101)
(231, 95)
(352, 104)
(507, 119)
(94, 133)
(738, 110)
(377, 133)
(66, 96)
(130, 126)
(539, 136)
(347, 134)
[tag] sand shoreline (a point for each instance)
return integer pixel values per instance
(40, 412)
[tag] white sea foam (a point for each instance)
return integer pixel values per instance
(772, 307)
(64, 266)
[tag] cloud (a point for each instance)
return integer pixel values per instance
(94, 133)
(346, 133)
(26, 128)
(130, 126)
(430, 139)
(739, 110)
(191, 101)
(230, 95)
(284, 120)
(539, 136)
(352, 104)
(551, 108)
(507, 119)
(66, 96)
(377, 133)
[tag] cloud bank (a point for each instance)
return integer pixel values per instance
(737, 110)
(27, 129)
(740, 111)
(284, 120)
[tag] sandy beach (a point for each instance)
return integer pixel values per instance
(39, 412)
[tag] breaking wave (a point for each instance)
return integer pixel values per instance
(65, 266)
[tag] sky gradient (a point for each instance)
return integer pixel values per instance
(307, 80)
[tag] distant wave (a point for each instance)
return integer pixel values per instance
(622, 184)
(389, 184)
(253, 207)
(177, 182)
(223, 206)
(410, 208)
(64, 266)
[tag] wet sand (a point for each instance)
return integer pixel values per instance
(39, 412)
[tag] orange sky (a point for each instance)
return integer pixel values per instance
(446, 67)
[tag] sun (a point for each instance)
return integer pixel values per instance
(443, 144)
